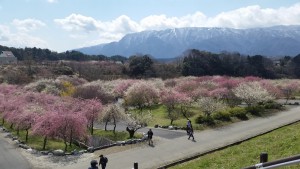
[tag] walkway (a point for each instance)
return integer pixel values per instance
(166, 151)
(10, 156)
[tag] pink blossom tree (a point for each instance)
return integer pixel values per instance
(122, 87)
(26, 120)
(92, 110)
(141, 95)
(46, 126)
(171, 98)
(224, 91)
(61, 121)
(7, 92)
(13, 109)
(289, 89)
(271, 88)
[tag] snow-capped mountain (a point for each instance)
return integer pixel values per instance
(169, 43)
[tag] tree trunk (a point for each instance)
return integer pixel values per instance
(45, 142)
(18, 131)
(92, 127)
(115, 125)
(106, 125)
(131, 132)
(11, 126)
(71, 138)
(66, 144)
(26, 138)
(3, 122)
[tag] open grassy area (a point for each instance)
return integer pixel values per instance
(282, 143)
(118, 136)
(160, 117)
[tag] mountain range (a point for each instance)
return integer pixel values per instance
(170, 43)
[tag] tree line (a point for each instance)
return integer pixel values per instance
(193, 62)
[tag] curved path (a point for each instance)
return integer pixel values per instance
(10, 158)
(166, 151)
(162, 133)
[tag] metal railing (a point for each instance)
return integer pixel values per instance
(274, 164)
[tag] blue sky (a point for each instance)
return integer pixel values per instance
(61, 25)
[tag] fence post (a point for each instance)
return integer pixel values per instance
(135, 165)
(263, 157)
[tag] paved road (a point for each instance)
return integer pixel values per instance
(166, 151)
(10, 158)
(163, 133)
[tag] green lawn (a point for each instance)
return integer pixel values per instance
(160, 117)
(118, 136)
(282, 143)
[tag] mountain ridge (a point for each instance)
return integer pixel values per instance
(169, 43)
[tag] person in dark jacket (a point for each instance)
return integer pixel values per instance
(150, 134)
(103, 161)
(188, 127)
(191, 133)
(93, 164)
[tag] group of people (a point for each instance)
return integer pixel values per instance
(103, 161)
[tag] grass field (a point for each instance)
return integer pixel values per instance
(281, 143)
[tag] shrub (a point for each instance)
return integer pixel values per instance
(206, 120)
(223, 115)
(272, 105)
(63, 70)
(255, 110)
(239, 112)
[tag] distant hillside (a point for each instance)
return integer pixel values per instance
(170, 43)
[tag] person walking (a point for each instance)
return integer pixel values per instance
(191, 133)
(103, 161)
(188, 126)
(93, 164)
(150, 134)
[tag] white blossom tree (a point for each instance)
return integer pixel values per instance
(114, 113)
(209, 105)
(136, 121)
(252, 93)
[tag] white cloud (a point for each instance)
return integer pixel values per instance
(52, 1)
(19, 39)
(4, 31)
(77, 22)
(255, 16)
(28, 24)
(122, 24)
